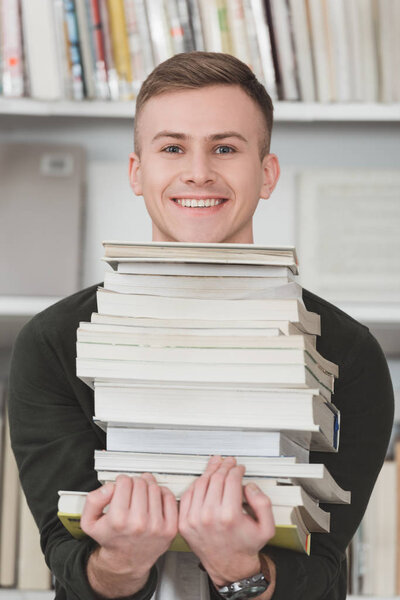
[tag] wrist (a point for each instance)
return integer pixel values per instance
(110, 579)
(235, 570)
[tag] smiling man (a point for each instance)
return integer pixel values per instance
(202, 162)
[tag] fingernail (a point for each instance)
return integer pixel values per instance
(106, 488)
(252, 487)
(215, 459)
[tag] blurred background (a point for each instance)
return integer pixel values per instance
(69, 73)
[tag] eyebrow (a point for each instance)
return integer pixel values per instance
(213, 137)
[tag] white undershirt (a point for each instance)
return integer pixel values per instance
(180, 578)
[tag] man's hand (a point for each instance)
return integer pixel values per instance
(211, 519)
(139, 526)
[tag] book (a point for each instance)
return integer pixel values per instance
(9, 513)
(312, 421)
(75, 51)
(321, 51)
(120, 48)
(271, 444)
(302, 49)
(45, 207)
(339, 39)
(299, 376)
(314, 478)
(87, 49)
(249, 254)
(265, 45)
(285, 50)
(41, 48)
(192, 338)
(156, 284)
(159, 30)
(33, 573)
(291, 534)
(199, 269)
(146, 306)
(11, 61)
(96, 32)
(267, 328)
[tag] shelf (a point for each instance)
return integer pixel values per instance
(24, 306)
(284, 111)
(9, 594)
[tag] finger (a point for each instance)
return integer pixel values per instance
(139, 503)
(215, 489)
(262, 508)
(154, 499)
(95, 504)
(233, 490)
(149, 477)
(169, 508)
(213, 463)
(185, 503)
(122, 494)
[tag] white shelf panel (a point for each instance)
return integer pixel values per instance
(6, 594)
(284, 111)
(15, 306)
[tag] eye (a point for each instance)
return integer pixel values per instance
(226, 149)
(171, 149)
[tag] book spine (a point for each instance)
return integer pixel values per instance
(196, 24)
(175, 27)
(88, 60)
(266, 45)
(112, 75)
(11, 46)
(251, 33)
(78, 85)
(97, 41)
(63, 57)
(159, 30)
(222, 11)
(184, 19)
(237, 28)
(210, 25)
(285, 50)
(120, 48)
(134, 40)
(302, 48)
(144, 33)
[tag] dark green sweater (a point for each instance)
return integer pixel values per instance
(54, 438)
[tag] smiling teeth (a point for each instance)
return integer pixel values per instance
(192, 203)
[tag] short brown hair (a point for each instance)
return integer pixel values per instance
(191, 70)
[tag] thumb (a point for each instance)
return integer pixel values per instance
(95, 504)
(261, 507)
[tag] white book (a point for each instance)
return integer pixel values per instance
(369, 64)
(313, 422)
(33, 573)
(264, 43)
(201, 270)
(159, 30)
(314, 478)
(11, 61)
(237, 30)
(200, 252)
(302, 46)
(339, 39)
(41, 49)
(285, 49)
(210, 25)
(201, 287)
(313, 516)
(268, 328)
(271, 444)
(254, 49)
(273, 376)
(386, 46)
(241, 357)
(157, 307)
(321, 51)
(144, 35)
(200, 338)
(355, 50)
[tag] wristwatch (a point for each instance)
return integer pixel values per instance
(249, 587)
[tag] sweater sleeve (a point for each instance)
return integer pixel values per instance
(364, 396)
(54, 441)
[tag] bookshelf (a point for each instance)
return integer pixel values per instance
(284, 111)
(306, 135)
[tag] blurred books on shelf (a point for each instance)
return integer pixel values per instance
(302, 50)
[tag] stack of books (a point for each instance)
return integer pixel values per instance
(203, 349)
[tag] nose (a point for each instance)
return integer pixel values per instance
(198, 169)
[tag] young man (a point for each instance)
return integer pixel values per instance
(201, 162)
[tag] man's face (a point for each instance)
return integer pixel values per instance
(199, 170)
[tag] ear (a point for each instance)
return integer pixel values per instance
(271, 172)
(135, 174)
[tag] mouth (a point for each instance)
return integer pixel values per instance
(199, 203)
